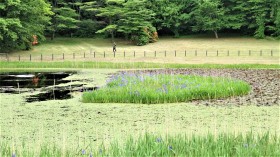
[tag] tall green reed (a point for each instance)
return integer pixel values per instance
(223, 144)
(162, 88)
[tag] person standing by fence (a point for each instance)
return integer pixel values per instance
(114, 47)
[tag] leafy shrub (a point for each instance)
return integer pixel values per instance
(147, 35)
(143, 40)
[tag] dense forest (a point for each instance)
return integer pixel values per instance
(140, 21)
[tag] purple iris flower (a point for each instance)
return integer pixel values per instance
(170, 147)
(183, 86)
(165, 88)
(158, 140)
(137, 93)
(83, 152)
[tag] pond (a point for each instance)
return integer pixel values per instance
(12, 80)
(46, 85)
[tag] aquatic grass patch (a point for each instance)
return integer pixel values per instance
(223, 144)
(209, 145)
(129, 65)
(163, 88)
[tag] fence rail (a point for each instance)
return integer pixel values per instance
(91, 55)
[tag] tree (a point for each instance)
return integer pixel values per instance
(253, 17)
(111, 12)
(136, 23)
(130, 18)
(256, 12)
(275, 16)
(64, 19)
(235, 16)
(172, 14)
(20, 20)
(209, 16)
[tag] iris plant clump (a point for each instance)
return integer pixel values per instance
(165, 88)
(222, 144)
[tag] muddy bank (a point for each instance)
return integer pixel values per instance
(265, 84)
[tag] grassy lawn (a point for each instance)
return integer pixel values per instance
(71, 45)
(195, 48)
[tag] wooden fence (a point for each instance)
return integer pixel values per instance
(91, 55)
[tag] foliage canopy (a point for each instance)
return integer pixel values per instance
(137, 20)
(19, 20)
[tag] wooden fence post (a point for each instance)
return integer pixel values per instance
(7, 57)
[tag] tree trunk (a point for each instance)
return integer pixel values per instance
(126, 36)
(53, 35)
(176, 33)
(112, 31)
(216, 34)
(112, 36)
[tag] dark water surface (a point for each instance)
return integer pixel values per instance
(18, 82)
(32, 79)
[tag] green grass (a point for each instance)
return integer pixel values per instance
(164, 88)
(192, 42)
(180, 145)
(189, 49)
(130, 65)
(223, 145)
